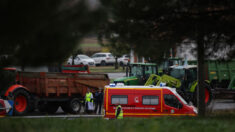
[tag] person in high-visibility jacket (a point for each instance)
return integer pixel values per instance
(119, 112)
(89, 101)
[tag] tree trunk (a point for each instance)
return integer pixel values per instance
(200, 76)
(116, 63)
(73, 57)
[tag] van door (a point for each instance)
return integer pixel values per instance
(172, 105)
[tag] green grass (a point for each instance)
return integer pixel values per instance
(90, 45)
(105, 69)
(160, 124)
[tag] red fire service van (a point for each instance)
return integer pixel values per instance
(145, 101)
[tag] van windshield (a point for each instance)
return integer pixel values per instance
(180, 98)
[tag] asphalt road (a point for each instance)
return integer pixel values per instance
(116, 75)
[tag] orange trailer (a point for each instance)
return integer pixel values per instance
(48, 91)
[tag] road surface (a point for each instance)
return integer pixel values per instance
(116, 75)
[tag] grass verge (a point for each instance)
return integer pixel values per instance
(105, 69)
(158, 124)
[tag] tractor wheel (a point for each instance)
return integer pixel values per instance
(21, 102)
(72, 106)
(208, 95)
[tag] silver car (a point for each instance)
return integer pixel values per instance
(81, 60)
(103, 59)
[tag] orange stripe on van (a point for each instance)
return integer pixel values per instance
(157, 114)
(161, 100)
(107, 99)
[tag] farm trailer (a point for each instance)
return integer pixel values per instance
(47, 91)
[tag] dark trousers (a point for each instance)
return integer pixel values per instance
(98, 106)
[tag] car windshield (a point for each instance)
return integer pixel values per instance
(136, 70)
(83, 57)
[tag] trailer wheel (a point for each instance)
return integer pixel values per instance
(208, 95)
(72, 106)
(21, 102)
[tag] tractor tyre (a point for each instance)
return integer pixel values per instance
(208, 95)
(21, 102)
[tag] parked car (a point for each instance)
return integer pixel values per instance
(81, 59)
(103, 59)
(123, 60)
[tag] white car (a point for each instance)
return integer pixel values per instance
(103, 58)
(123, 60)
(81, 60)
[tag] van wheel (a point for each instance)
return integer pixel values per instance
(72, 106)
(21, 102)
(103, 63)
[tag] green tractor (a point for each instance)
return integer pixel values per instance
(184, 79)
(138, 73)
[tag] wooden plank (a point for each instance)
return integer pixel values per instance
(58, 88)
(69, 86)
(46, 87)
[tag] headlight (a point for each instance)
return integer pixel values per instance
(195, 110)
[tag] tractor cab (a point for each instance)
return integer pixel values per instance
(167, 63)
(186, 74)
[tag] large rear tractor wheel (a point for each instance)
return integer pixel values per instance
(208, 95)
(72, 106)
(21, 102)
